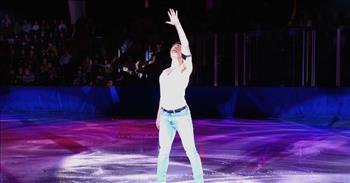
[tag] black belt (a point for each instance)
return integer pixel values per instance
(174, 110)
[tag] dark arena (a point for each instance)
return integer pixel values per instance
(175, 91)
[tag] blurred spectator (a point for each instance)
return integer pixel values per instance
(36, 27)
(28, 77)
(109, 83)
(149, 54)
(26, 27)
(6, 22)
(62, 27)
(52, 50)
(19, 76)
(65, 58)
(79, 79)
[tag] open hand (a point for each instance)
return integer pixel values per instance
(174, 20)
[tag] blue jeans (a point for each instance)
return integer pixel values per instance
(182, 123)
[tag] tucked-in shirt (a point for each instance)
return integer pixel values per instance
(173, 86)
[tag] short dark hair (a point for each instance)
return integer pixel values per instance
(177, 42)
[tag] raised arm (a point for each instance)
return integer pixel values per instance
(174, 20)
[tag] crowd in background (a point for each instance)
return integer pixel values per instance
(55, 52)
